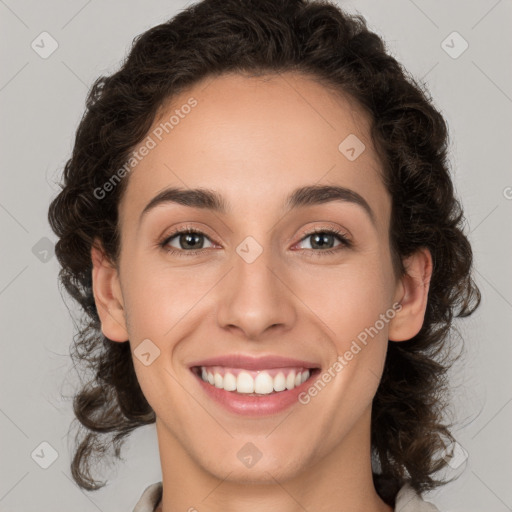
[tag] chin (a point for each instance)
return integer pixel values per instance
(250, 465)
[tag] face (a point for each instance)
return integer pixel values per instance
(277, 289)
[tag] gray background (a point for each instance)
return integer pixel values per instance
(41, 102)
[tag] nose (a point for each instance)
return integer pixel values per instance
(256, 297)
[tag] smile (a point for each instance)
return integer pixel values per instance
(254, 387)
(263, 382)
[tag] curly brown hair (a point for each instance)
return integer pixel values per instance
(319, 40)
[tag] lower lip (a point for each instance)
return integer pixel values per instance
(263, 405)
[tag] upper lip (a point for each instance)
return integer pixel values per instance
(254, 363)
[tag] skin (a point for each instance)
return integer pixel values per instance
(254, 140)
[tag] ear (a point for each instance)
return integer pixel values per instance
(107, 295)
(412, 294)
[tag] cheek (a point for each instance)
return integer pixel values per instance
(346, 299)
(356, 310)
(158, 296)
(353, 303)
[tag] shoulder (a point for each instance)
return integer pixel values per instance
(150, 498)
(407, 500)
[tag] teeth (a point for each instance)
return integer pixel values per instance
(279, 382)
(218, 380)
(260, 382)
(290, 380)
(263, 383)
(229, 382)
(244, 383)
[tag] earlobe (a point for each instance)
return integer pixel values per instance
(107, 295)
(412, 294)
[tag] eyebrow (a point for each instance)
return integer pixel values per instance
(303, 196)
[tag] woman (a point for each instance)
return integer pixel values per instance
(260, 225)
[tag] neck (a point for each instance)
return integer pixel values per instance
(342, 480)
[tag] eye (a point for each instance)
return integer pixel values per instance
(325, 240)
(188, 241)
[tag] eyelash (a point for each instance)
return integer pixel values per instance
(345, 242)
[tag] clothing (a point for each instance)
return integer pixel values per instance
(406, 501)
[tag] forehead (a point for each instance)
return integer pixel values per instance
(254, 139)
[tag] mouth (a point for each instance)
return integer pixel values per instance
(254, 383)
(254, 387)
